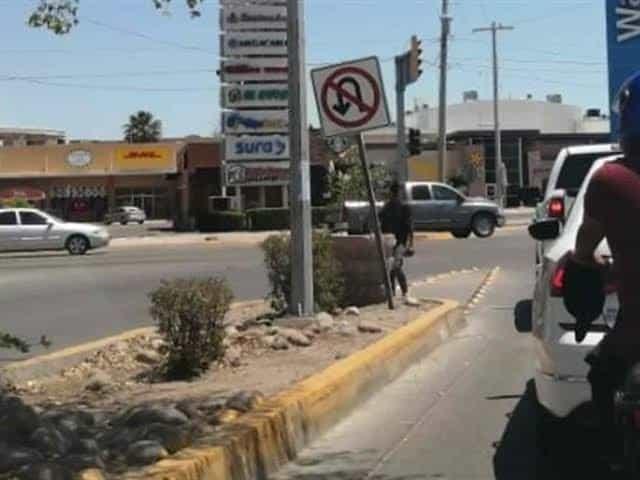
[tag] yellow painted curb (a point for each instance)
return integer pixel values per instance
(258, 443)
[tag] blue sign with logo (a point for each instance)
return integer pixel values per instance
(623, 35)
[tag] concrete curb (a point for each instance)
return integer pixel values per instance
(259, 443)
(43, 365)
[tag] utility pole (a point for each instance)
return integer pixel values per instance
(299, 182)
(501, 176)
(442, 109)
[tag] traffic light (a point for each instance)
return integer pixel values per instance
(415, 59)
(415, 147)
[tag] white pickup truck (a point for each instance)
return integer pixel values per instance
(435, 207)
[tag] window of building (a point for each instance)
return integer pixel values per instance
(273, 197)
(8, 218)
(32, 218)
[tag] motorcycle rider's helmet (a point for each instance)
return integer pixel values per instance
(627, 106)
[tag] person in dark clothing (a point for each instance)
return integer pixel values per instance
(396, 218)
(612, 206)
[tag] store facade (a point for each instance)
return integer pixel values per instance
(82, 181)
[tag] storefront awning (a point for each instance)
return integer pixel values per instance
(24, 193)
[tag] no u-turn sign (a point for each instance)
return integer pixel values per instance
(350, 97)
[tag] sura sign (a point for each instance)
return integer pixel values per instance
(248, 147)
(268, 121)
(623, 35)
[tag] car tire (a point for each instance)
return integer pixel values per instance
(465, 233)
(77, 245)
(108, 222)
(483, 225)
(140, 222)
(123, 222)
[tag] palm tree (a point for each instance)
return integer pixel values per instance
(142, 128)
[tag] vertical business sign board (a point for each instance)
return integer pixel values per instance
(350, 97)
(623, 35)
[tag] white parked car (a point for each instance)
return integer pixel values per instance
(560, 369)
(124, 215)
(28, 229)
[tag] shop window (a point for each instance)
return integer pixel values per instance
(273, 197)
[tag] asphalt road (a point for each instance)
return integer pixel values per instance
(77, 299)
(465, 412)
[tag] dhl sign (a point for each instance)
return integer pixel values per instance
(145, 158)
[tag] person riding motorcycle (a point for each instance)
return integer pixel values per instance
(612, 209)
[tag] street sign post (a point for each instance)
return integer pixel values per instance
(351, 99)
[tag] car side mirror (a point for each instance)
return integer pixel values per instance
(545, 230)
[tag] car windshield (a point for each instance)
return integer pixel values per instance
(574, 170)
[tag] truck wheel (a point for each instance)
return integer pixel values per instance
(483, 225)
(461, 233)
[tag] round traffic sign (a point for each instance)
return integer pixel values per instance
(350, 97)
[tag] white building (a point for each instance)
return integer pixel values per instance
(24, 137)
(548, 117)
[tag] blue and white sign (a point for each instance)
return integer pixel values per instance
(249, 147)
(267, 121)
(623, 32)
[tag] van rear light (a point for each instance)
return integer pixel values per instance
(555, 209)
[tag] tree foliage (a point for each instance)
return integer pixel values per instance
(347, 182)
(60, 16)
(142, 128)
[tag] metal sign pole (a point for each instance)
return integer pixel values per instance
(376, 221)
(302, 303)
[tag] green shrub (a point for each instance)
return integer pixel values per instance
(190, 314)
(261, 219)
(321, 216)
(220, 221)
(15, 203)
(328, 282)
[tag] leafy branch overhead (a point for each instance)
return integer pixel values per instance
(60, 16)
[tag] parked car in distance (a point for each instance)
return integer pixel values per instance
(560, 369)
(124, 215)
(29, 229)
(435, 207)
(569, 170)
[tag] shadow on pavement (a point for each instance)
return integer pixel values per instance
(339, 466)
(571, 451)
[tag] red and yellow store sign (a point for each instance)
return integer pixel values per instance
(140, 158)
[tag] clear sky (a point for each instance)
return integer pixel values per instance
(124, 56)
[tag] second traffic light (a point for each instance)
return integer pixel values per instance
(415, 144)
(415, 59)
